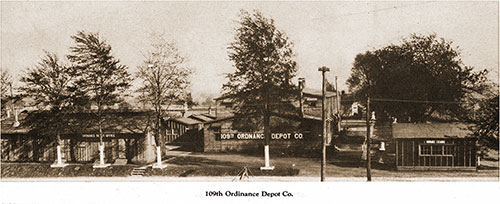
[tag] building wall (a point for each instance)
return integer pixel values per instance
(24, 148)
(458, 153)
(310, 144)
(175, 132)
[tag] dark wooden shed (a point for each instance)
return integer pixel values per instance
(178, 127)
(434, 146)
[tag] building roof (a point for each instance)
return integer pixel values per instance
(186, 121)
(201, 117)
(308, 92)
(317, 93)
(223, 118)
(430, 130)
(124, 122)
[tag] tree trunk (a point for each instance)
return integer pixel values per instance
(158, 138)
(159, 141)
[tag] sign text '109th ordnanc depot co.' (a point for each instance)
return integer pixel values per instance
(258, 136)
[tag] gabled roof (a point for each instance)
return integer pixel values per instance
(430, 130)
(200, 117)
(308, 92)
(224, 97)
(186, 121)
(228, 117)
(209, 115)
(124, 122)
(317, 93)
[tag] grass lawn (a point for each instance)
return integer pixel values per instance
(189, 166)
(226, 164)
(25, 170)
(310, 167)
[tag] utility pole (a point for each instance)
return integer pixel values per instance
(323, 141)
(368, 141)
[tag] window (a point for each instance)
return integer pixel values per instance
(216, 129)
(436, 150)
(217, 132)
(448, 150)
(425, 149)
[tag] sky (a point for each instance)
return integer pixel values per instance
(324, 33)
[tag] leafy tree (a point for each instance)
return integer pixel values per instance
(5, 82)
(485, 120)
(100, 78)
(261, 84)
(165, 79)
(421, 69)
(330, 87)
(48, 83)
(208, 101)
(189, 100)
(5, 87)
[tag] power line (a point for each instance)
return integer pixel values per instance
(417, 101)
(414, 101)
(372, 99)
(376, 10)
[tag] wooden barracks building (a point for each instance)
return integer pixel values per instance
(298, 133)
(434, 146)
(127, 136)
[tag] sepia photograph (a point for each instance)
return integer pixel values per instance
(290, 98)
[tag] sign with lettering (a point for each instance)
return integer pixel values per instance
(97, 135)
(258, 136)
(435, 141)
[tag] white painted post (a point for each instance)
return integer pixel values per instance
(266, 159)
(159, 164)
(101, 158)
(59, 156)
(158, 155)
(16, 116)
(59, 163)
(266, 155)
(101, 155)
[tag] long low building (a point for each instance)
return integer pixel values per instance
(289, 136)
(126, 136)
(434, 146)
(296, 132)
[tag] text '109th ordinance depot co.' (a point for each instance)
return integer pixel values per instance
(248, 194)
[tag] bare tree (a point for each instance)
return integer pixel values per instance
(165, 81)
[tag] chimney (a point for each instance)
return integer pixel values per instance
(185, 109)
(16, 116)
(302, 85)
